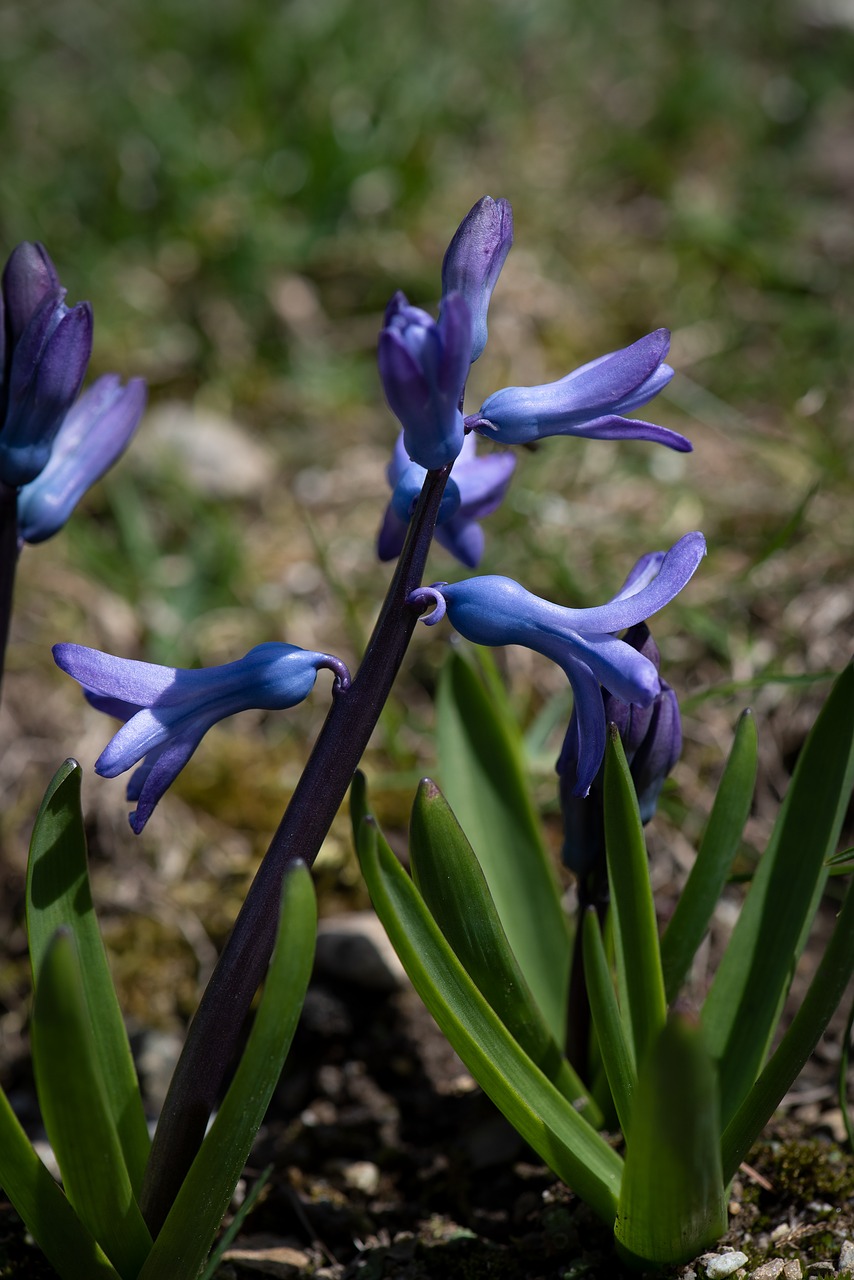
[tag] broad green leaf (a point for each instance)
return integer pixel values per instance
(46, 1213)
(449, 878)
(530, 1102)
(482, 774)
(718, 848)
(785, 1064)
(673, 1198)
(182, 1245)
(58, 896)
(743, 1006)
(76, 1111)
(633, 912)
(614, 1049)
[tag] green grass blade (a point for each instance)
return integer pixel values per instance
(718, 848)
(482, 774)
(744, 1003)
(76, 1111)
(673, 1197)
(818, 1006)
(449, 878)
(615, 1049)
(183, 1244)
(46, 1213)
(633, 910)
(58, 896)
(530, 1102)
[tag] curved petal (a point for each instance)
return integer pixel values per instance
(677, 568)
(616, 427)
(590, 721)
(464, 539)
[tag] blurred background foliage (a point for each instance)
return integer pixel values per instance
(239, 186)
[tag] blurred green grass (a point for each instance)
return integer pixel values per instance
(239, 187)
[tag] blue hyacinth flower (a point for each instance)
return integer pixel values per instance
(476, 487)
(423, 366)
(474, 259)
(591, 401)
(95, 431)
(167, 710)
(44, 352)
(652, 740)
(494, 610)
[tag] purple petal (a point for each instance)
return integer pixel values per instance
(93, 435)
(126, 679)
(677, 568)
(157, 773)
(392, 535)
(454, 328)
(615, 427)
(29, 277)
(589, 717)
(474, 259)
(464, 538)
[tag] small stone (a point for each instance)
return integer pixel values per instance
(770, 1270)
(362, 1175)
(846, 1256)
(718, 1265)
(355, 947)
(792, 1269)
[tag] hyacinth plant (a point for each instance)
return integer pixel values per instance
(575, 1027)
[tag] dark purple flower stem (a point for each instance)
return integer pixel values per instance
(215, 1031)
(8, 563)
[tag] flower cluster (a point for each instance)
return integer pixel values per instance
(51, 448)
(424, 366)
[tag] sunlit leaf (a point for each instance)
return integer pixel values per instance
(482, 775)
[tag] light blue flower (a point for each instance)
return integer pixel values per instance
(167, 710)
(94, 432)
(590, 401)
(476, 487)
(494, 610)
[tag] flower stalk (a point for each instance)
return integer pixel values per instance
(214, 1033)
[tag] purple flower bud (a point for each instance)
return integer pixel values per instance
(475, 489)
(46, 351)
(652, 739)
(167, 711)
(94, 433)
(474, 260)
(423, 367)
(28, 278)
(496, 611)
(589, 402)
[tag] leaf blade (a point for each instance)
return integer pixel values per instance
(481, 771)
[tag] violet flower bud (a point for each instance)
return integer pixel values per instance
(423, 366)
(496, 611)
(474, 490)
(590, 401)
(167, 711)
(46, 348)
(652, 740)
(474, 259)
(94, 433)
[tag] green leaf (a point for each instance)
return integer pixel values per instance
(182, 1245)
(718, 848)
(76, 1111)
(530, 1102)
(673, 1197)
(483, 777)
(227, 1238)
(743, 1006)
(640, 980)
(68, 1246)
(449, 878)
(58, 896)
(785, 1064)
(615, 1050)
